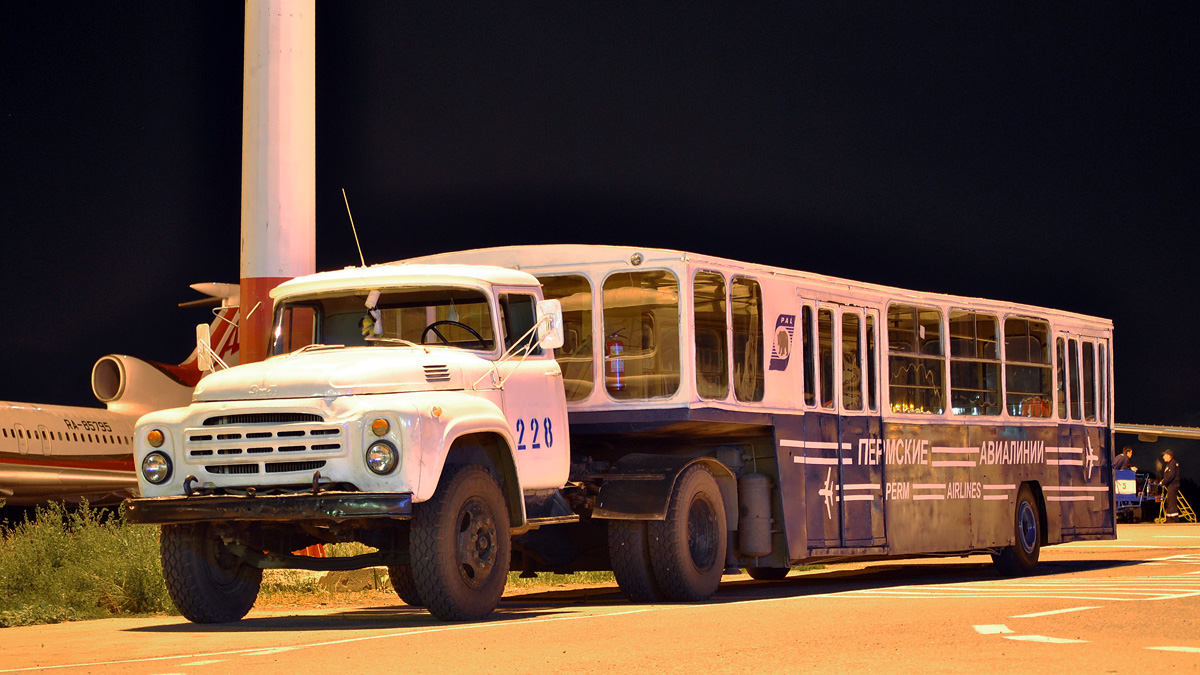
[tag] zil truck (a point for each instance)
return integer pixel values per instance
(668, 416)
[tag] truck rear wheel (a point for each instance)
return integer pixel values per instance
(629, 552)
(460, 545)
(687, 549)
(405, 585)
(1022, 557)
(207, 583)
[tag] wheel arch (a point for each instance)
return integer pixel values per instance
(491, 449)
(641, 485)
(1039, 498)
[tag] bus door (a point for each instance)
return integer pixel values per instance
(1082, 454)
(843, 472)
(861, 485)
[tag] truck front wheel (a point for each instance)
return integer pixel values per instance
(460, 545)
(687, 549)
(207, 583)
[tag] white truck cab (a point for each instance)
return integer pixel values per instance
(415, 408)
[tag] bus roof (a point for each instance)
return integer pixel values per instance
(560, 258)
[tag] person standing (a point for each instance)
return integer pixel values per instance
(1123, 460)
(1170, 483)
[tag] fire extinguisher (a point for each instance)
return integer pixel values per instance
(614, 363)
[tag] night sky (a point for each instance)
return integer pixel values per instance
(1044, 155)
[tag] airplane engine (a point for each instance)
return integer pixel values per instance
(131, 385)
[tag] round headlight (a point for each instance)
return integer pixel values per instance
(155, 438)
(381, 457)
(156, 468)
(380, 427)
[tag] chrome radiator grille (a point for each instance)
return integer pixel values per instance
(263, 443)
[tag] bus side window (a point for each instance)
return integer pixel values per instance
(807, 347)
(1089, 382)
(746, 302)
(1062, 378)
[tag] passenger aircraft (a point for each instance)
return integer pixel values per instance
(68, 453)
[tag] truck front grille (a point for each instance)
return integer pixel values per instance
(257, 443)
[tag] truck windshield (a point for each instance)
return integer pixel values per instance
(440, 316)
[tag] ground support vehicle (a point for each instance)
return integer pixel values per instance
(721, 415)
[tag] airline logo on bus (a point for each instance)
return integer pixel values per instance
(781, 351)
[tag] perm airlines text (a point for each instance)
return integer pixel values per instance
(900, 451)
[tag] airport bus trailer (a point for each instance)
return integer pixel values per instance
(667, 416)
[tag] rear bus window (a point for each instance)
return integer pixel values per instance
(1027, 367)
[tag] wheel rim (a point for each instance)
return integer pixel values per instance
(1027, 527)
(702, 534)
(478, 543)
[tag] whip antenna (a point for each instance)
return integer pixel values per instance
(353, 229)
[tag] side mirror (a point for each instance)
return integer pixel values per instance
(550, 324)
(204, 348)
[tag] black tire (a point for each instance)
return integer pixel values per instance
(460, 545)
(405, 585)
(1022, 556)
(687, 549)
(768, 573)
(629, 552)
(207, 583)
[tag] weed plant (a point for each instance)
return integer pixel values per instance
(78, 563)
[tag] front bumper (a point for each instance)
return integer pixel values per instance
(325, 506)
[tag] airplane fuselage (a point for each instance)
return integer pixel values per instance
(66, 453)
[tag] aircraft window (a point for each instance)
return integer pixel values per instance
(746, 302)
(575, 358)
(916, 381)
(974, 364)
(5, 432)
(641, 328)
(709, 315)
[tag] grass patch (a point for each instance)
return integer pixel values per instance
(80, 563)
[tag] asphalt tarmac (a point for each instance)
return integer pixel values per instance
(1125, 606)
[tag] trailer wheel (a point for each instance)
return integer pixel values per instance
(460, 545)
(1022, 557)
(768, 573)
(405, 585)
(687, 549)
(207, 583)
(630, 554)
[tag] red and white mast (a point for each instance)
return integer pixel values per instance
(278, 159)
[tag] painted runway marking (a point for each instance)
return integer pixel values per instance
(1190, 650)
(992, 629)
(1051, 612)
(1112, 589)
(1042, 638)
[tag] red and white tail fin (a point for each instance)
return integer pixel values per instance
(136, 386)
